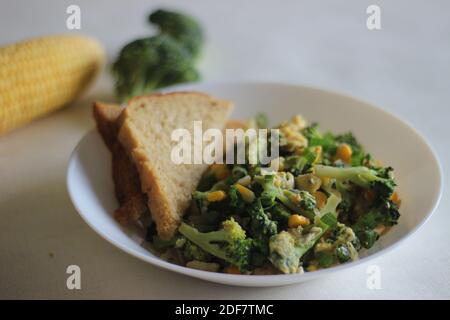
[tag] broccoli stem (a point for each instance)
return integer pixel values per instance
(361, 176)
(199, 239)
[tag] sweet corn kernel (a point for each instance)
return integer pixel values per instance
(215, 196)
(232, 270)
(321, 199)
(325, 180)
(311, 267)
(380, 229)
(296, 220)
(344, 152)
(396, 198)
(246, 193)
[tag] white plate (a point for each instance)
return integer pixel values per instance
(416, 168)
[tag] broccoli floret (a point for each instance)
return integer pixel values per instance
(386, 214)
(316, 138)
(281, 215)
(155, 62)
(184, 29)
(301, 202)
(229, 243)
(378, 180)
(190, 251)
(261, 226)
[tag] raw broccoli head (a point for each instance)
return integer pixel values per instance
(184, 29)
(229, 243)
(147, 64)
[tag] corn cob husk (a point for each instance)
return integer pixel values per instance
(42, 74)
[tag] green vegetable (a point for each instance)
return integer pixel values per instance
(386, 214)
(343, 253)
(378, 180)
(301, 202)
(261, 226)
(184, 29)
(165, 59)
(229, 243)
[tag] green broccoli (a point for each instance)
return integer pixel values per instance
(379, 180)
(261, 226)
(229, 243)
(280, 214)
(301, 202)
(155, 62)
(190, 251)
(386, 214)
(184, 29)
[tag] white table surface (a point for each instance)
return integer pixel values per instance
(404, 67)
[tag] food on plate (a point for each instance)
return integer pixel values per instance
(323, 201)
(165, 59)
(316, 205)
(42, 74)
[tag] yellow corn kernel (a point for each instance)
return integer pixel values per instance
(215, 196)
(246, 193)
(220, 171)
(43, 74)
(311, 267)
(232, 270)
(344, 152)
(380, 229)
(321, 199)
(396, 198)
(296, 220)
(325, 180)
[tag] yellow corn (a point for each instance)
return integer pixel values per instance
(344, 152)
(321, 199)
(247, 194)
(312, 267)
(42, 74)
(220, 171)
(296, 220)
(232, 270)
(216, 196)
(396, 198)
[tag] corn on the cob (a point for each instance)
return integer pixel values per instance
(43, 74)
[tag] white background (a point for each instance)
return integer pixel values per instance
(404, 68)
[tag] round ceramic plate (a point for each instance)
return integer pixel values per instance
(388, 138)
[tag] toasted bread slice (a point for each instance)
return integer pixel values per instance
(145, 132)
(127, 185)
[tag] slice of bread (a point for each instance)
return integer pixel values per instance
(146, 126)
(127, 185)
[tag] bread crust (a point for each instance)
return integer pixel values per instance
(166, 209)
